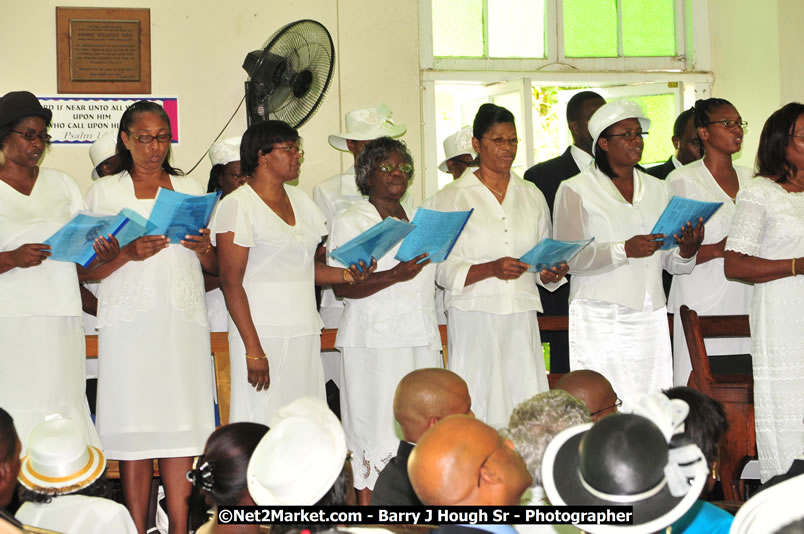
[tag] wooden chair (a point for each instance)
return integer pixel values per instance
(734, 391)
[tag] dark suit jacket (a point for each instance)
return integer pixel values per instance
(393, 485)
(547, 175)
(661, 171)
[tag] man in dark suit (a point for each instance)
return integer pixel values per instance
(547, 175)
(686, 144)
(423, 397)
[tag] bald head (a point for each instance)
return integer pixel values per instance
(593, 389)
(426, 396)
(461, 460)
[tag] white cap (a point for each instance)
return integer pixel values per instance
(366, 124)
(225, 151)
(101, 150)
(614, 112)
(457, 144)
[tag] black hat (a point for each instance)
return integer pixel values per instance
(17, 105)
(623, 460)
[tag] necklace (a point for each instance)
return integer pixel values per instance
(501, 195)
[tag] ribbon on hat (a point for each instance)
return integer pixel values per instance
(667, 414)
(379, 117)
(463, 141)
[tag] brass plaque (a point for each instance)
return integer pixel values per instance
(104, 50)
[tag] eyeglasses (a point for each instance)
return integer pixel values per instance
(145, 138)
(617, 404)
(292, 149)
(404, 167)
(486, 459)
(500, 142)
(629, 135)
(30, 136)
(730, 123)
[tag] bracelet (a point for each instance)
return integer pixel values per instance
(346, 279)
(263, 357)
(794, 267)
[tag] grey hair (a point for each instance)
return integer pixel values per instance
(536, 421)
(373, 154)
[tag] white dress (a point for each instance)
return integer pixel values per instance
(493, 332)
(78, 514)
(382, 338)
(279, 282)
(706, 289)
(617, 315)
(154, 378)
(769, 223)
(43, 352)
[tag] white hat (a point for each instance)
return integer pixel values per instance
(102, 149)
(300, 458)
(59, 458)
(457, 144)
(613, 112)
(367, 124)
(772, 508)
(225, 151)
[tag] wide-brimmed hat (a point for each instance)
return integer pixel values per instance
(300, 458)
(101, 150)
(225, 151)
(366, 124)
(613, 112)
(772, 508)
(624, 460)
(457, 144)
(17, 105)
(59, 459)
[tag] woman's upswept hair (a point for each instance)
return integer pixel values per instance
(126, 122)
(487, 116)
(260, 138)
(703, 109)
(772, 159)
(373, 154)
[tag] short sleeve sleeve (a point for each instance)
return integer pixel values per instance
(232, 215)
(748, 224)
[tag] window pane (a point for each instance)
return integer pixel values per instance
(516, 28)
(648, 28)
(661, 111)
(590, 28)
(457, 28)
(511, 102)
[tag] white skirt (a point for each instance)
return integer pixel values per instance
(43, 361)
(500, 357)
(630, 348)
(368, 381)
(294, 368)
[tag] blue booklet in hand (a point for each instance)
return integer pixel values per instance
(436, 233)
(176, 215)
(677, 213)
(375, 242)
(551, 253)
(73, 242)
(137, 226)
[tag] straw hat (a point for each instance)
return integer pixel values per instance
(366, 124)
(101, 150)
(614, 112)
(225, 151)
(457, 144)
(59, 458)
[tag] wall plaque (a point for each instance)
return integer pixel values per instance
(104, 50)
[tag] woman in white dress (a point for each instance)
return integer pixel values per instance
(766, 247)
(43, 356)
(617, 315)
(389, 326)
(711, 179)
(268, 235)
(491, 297)
(154, 376)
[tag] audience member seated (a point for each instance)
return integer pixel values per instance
(219, 474)
(64, 487)
(480, 468)
(423, 397)
(534, 423)
(776, 509)
(705, 425)
(10, 448)
(593, 389)
(627, 460)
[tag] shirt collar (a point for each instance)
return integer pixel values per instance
(582, 159)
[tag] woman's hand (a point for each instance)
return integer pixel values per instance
(407, 270)
(30, 255)
(258, 375)
(200, 244)
(691, 238)
(642, 246)
(107, 248)
(357, 274)
(144, 247)
(508, 268)
(554, 275)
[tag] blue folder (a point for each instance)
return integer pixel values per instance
(436, 233)
(176, 215)
(375, 242)
(549, 253)
(73, 242)
(677, 213)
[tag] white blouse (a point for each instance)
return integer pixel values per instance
(590, 205)
(50, 288)
(402, 315)
(493, 231)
